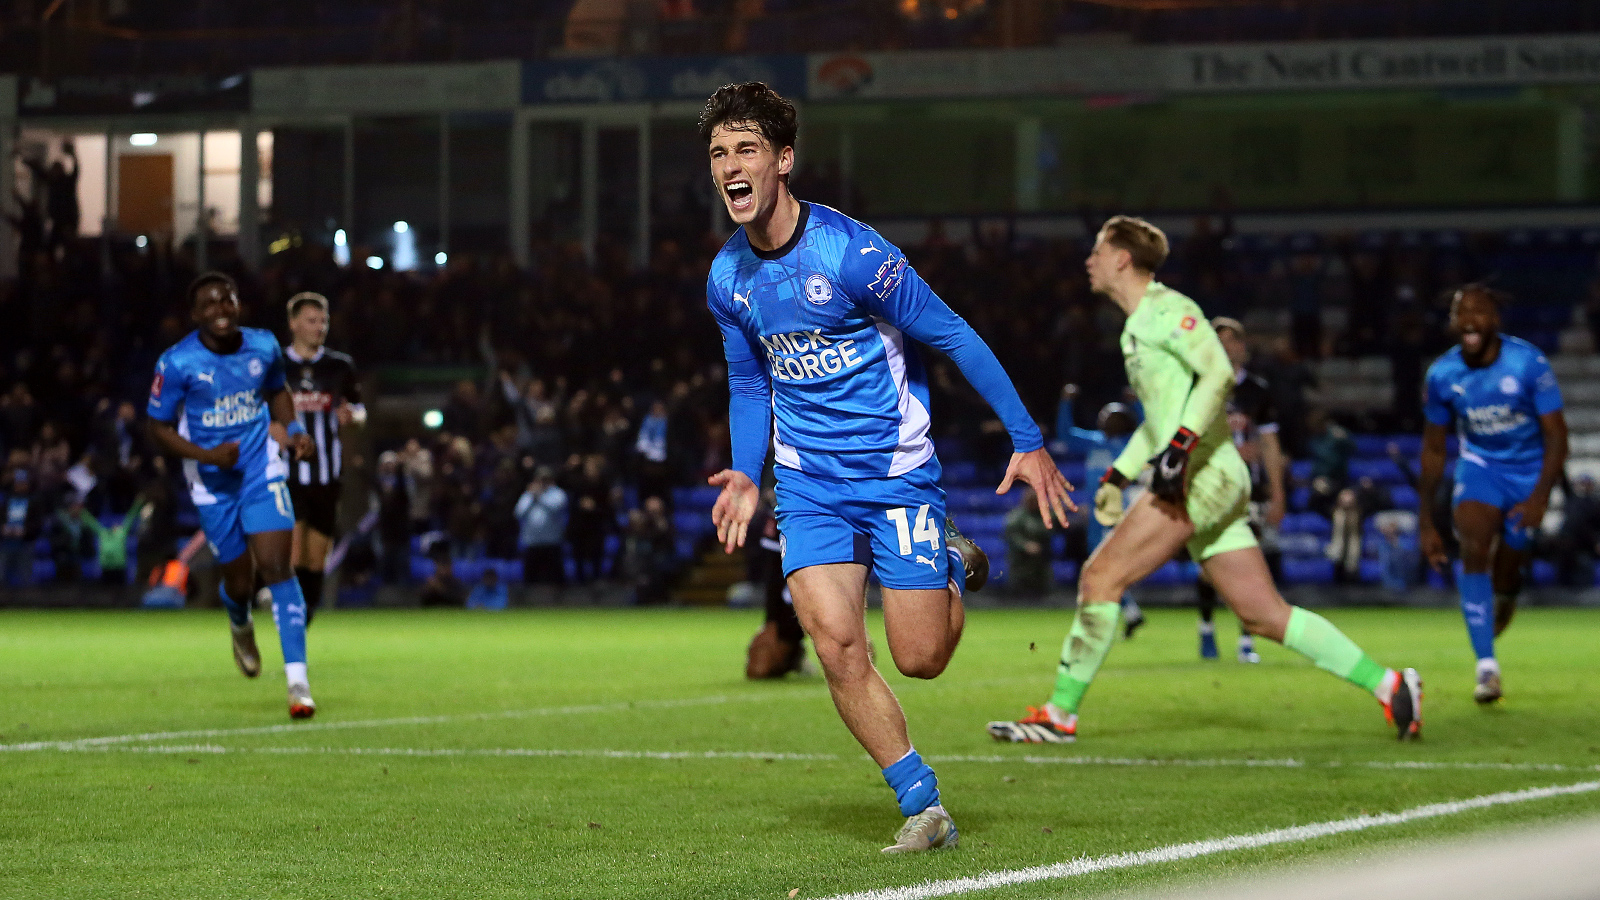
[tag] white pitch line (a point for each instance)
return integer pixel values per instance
(1260, 763)
(783, 755)
(287, 727)
(181, 749)
(1194, 849)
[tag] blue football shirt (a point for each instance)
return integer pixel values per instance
(214, 398)
(1496, 407)
(824, 316)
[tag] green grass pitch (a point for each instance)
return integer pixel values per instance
(496, 782)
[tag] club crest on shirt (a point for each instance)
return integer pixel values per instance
(254, 367)
(1188, 323)
(155, 388)
(1508, 385)
(818, 290)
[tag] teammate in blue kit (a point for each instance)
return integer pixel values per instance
(1507, 408)
(815, 311)
(209, 404)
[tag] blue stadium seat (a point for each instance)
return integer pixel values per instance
(1064, 571)
(1382, 471)
(702, 496)
(1544, 572)
(1410, 445)
(1307, 570)
(1300, 470)
(960, 473)
(1300, 544)
(1372, 446)
(470, 571)
(1078, 475)
(510, 569)
(691, 522)
(1404, 496)
(1306, 523)
(983, 523)
(1173, 574)
(1300, 499)
(962, 500)
(1371, 572)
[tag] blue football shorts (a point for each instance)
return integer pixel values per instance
(252, 507)
(893, 525)
(1501, 486)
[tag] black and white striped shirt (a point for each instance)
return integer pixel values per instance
(319, 385)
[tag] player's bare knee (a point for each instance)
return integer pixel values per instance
(275, 571)
(1475, 552)
(841, 656)
(1097, 585)
(924, 664)
(239, 587)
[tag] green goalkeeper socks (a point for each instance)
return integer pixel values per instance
(1318, 639)
(1082, 653)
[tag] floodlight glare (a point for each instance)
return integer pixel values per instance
(401, 228)
(339, 239)
(441, 258)
(374, 262)
(432, 418)
(143, 139)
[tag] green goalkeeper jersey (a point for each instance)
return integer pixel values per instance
(1180, 374)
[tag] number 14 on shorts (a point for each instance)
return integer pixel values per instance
(926, 532)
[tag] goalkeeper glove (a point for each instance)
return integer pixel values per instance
(1108, 497)
(1172, 465)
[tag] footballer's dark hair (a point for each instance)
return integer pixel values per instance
(751, 106)
(206, 278)
(1500, 299)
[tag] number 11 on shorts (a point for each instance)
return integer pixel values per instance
(280, 496)
(925, 531)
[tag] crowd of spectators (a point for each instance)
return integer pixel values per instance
(604, 386)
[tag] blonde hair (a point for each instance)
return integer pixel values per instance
(1145, 243)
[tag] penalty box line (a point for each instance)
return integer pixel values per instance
(788, 756)
(1192, 850)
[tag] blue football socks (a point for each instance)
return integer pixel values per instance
(1477, 607)
(289, 614)
(913, 782)
(238, 613)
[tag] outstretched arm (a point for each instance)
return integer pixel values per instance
(1530, 512)
(1553, 428)
(938, 326)
(749, 428)
(878, 276)
(1433, 454)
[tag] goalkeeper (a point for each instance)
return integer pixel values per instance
(1199, 497)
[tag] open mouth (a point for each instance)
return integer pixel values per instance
(222, 323)
(740, 195)
(1471, 341)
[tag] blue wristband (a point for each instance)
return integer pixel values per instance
(294, 428)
